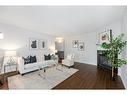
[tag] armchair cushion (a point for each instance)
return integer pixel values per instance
(69, 61)
(69, 57)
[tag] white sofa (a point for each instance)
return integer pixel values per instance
(25, 68)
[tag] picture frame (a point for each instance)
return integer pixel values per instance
(33, 44)
(81, 46)
(105, 37)
(75, 43)
(42, 44)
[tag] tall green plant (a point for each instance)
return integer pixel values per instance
(113, 49)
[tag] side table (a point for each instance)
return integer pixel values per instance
(9, 65)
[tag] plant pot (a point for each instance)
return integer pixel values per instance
(115, 73)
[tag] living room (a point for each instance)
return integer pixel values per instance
(62, 45)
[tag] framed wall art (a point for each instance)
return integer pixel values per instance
(75, 44)
(33, 43)
(42, 44)
(105, 37)
(81, 46)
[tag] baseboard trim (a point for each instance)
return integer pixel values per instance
(123, 82)
(86, 63)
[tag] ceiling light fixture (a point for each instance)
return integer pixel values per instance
(59, 39)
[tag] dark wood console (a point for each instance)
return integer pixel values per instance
(102, 60)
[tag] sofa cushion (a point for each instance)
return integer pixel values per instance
(36, 64)
(69, 56)
(30, 65)
(51, 62)
(40, 64)
(40, 57)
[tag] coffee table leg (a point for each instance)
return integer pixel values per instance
(58, 68)
(42, 75)
(44, 70)
(4, 76)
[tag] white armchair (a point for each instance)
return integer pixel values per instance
(69, 61)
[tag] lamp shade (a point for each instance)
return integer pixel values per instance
(1, 35)
(10, 53)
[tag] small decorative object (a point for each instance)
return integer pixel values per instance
(75, 43)
(105, 37)
(42, 44)
(81, 46)
(33, 44)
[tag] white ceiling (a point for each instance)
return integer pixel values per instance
(60, 20)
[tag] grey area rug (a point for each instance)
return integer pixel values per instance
(52, 77)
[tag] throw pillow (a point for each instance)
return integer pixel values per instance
(33, 59)
(47, 57)
(26, 60)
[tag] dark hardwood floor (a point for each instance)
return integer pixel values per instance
(5, 82)
(88, 77)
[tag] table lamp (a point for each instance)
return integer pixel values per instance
(11, 55)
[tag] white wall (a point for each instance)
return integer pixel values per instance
(16, 38)
(89, 55)
(86, 56)
(124, 67)
(115, 27)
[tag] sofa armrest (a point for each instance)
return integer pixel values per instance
(20, 65)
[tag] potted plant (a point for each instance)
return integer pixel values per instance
(114, 49)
